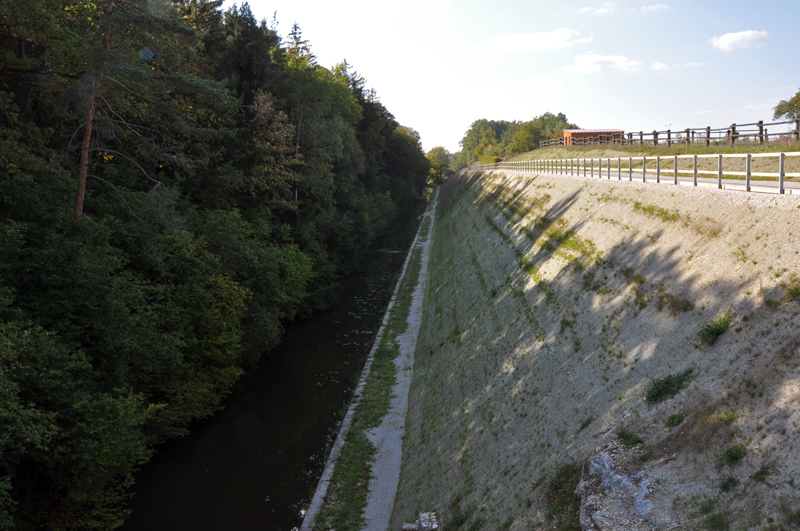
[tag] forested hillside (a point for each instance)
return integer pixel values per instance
(177, 182)
(488, 141)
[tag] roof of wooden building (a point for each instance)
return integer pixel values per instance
(593, 131)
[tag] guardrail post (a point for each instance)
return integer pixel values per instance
(695, 171)
(644, 169)
(658, 169)
(747, 171)
(675, 179)
(708, 136)
(761, 131)
(630, 168)
(782, 171)
(719, 171)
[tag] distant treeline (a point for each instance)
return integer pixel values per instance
(488, 141)
(177, 181)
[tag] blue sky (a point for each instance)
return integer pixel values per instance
(439, 65)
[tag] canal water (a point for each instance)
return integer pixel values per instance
(255, 464)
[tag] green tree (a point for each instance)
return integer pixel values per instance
(789, 109)
(439, 158)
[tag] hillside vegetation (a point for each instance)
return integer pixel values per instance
(178, 180)
(568, 318)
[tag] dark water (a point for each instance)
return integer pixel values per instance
(255, 464)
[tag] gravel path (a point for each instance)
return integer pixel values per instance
(388, 437)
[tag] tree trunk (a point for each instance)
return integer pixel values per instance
(83, 169)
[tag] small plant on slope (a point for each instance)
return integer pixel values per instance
(710, 332)
(667, 387)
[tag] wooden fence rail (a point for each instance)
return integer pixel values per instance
(665, 167)
(756, 132)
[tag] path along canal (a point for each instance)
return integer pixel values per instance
(255, 464)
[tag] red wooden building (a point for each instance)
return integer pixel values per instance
(582, 137)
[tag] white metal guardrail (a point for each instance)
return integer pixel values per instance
(639, 166)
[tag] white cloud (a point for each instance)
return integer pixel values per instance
(655, 7)
(606, 8)
(692, 64)
(739, 40)
(659, 66)
(592, 63)
(532, 42)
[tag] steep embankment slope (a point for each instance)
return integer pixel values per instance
(554, 305)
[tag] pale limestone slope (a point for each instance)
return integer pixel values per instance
(532, 326)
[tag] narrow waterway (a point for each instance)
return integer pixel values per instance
(254, 465)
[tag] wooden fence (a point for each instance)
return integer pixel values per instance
(664, 167)
(754, 133)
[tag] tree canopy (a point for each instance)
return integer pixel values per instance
(488, 141)
(439, 159)
(178, 183)
(789, 109)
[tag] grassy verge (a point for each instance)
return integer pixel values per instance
(346, 499)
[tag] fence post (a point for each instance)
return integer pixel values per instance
(584, 167)
(708, 136)
(630, 168)
(733, 134)
(591, 161)
(655, 138)
(761, 131)
(719, 171)
(747, 171)
(641, 138)
(644, 169)
(695, 171)
(675, 179)
(669, 137)
(797, 130)
(658, 169)
(782, 171)
(619, 169)
(609, 168)
(687, 136)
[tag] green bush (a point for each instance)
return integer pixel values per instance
(674, 420)
(668, 386)
(628, 438)
(710, 332)
(734, 454)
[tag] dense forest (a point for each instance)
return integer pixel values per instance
(488, 141)
(178, 181)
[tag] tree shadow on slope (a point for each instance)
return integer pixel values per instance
(588, 342)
